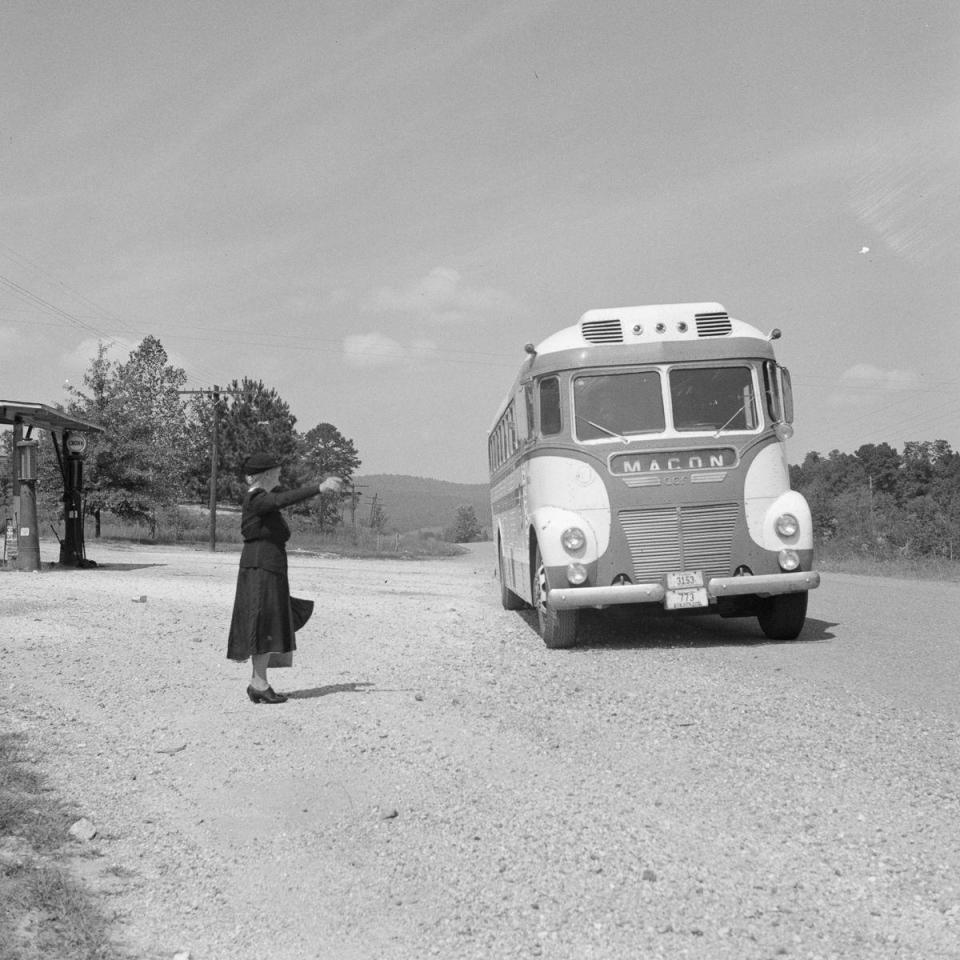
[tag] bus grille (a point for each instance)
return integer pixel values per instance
(670, 539)
(602, 331)
(713, 324)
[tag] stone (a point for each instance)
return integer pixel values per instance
(83, 830)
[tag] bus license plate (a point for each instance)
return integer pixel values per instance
(685, 591)
(686, 599)
(685, 579)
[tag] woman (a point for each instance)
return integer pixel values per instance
(264, 620)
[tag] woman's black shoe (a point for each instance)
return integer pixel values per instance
(265, 696)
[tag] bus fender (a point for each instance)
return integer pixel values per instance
(762, 522)
(547, 526)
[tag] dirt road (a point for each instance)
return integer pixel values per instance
(440, 784)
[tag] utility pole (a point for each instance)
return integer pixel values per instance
(214, 449)
(354, 498)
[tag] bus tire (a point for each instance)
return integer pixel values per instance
(558, 628)
(783, 617)
(508, 598)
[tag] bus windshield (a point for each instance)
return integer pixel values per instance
(713, 398)
(617, 404)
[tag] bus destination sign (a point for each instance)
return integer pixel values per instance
(629, 464)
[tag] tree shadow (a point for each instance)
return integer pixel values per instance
(630, 627)
(314, 692)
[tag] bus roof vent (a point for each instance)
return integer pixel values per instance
(602, 331)
(713, 324)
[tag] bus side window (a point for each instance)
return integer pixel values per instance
(551, 420)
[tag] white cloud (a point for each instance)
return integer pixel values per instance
(442, 297)
(864, 384)
(439, 299)
(867, 375)
(371, 350)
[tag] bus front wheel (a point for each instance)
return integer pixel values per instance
(558, 628)
(782, 618)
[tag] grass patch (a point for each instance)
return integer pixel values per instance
(841, 560)
(44, 912)
(193, 528)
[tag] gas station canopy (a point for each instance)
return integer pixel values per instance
(43, 417)
(24, 417)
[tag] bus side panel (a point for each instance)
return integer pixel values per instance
(508, 516)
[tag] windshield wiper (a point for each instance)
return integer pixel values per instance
(602, 429)
(743, 407)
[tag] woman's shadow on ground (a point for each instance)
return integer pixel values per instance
(331, 688)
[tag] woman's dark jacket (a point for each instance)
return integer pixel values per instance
(262, 620)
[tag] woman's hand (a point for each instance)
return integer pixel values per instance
(332, 485)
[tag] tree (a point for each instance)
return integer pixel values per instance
(885, 503)
(881, 466)
(252, 417)
(136, 467)
(325, 451)
(466, 527)
(7, 466)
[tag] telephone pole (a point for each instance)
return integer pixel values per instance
(214, 393)
(354, 498)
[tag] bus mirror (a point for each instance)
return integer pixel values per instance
(786, 392)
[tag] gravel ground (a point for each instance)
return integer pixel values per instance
(440, 784)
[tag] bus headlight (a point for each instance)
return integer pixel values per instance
(789, 560)
(787, 525)
(576, 574)
(573, 539)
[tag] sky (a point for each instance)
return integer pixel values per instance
(372, 206)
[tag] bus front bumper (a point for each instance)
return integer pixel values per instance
(763, 585)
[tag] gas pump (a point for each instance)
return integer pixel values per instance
(28, 548)
(72, 549)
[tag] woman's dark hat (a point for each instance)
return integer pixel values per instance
(259, 462)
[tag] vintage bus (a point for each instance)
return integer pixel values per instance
(639, 458)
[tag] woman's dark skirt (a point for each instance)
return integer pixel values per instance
(265, 617)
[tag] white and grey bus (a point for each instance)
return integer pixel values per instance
(639, 458)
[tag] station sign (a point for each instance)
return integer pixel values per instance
(76, 442)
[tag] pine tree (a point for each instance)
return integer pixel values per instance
(135, 468)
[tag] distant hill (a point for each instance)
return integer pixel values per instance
(417, 503)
